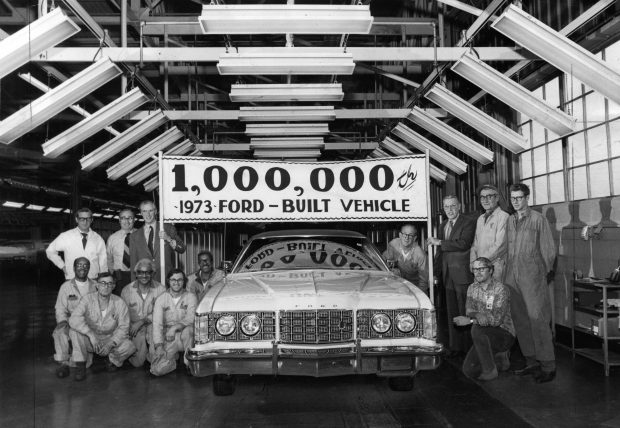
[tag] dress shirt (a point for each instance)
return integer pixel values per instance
(115, 250)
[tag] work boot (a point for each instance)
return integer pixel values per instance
(488, 375)
(502, 361)
(532, 369)
(544, 376)
(62, 371)
(80, 371)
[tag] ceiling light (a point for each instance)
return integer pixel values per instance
(477, 119)
(287, 143)
(11, 204)
(399, 149)
(293, 61)
(451, 136)
(34, 207)
(53, 102)
(260, 129)
(287, 114)
(151, 168)
(513, 94)
(54, 209)
(94, 123)
(286, 92)
(378, 154)
(414, 139)
(282, 154)
(42, 34)
(142, 154)
(559, 51)
(97, 215)
(126, 139)
(285, 18)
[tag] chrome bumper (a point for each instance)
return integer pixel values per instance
(382, 361)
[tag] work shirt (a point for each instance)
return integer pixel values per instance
(68, 298)
(490, 240)
(70, 243)
(493, 302)
(411, 262)
(166, 313)
(115, 250)
(199, 288)
(87, 318)
(141, 308)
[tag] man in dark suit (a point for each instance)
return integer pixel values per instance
(143, 243)
(456, 236)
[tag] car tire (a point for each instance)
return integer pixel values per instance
(224, 384)
(401, 383)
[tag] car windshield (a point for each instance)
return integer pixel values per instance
(333, 253)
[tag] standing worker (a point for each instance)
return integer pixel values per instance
(529, 262)
(119, 259)
(409, 257)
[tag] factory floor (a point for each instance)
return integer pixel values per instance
(32, 396)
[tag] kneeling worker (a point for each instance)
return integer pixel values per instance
(100, 325)
(492, 331)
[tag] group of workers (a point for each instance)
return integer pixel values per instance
(111, 308)
(494, 272)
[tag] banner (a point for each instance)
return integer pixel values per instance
(202, 189)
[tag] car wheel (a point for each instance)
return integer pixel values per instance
(224, 384)
(401, 383)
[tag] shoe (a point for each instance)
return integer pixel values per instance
(62, 371)
(110, 367)
(502, 361)
(534, 369)
(544, 376)
(80, 371)
(99, 364)
(488, 376)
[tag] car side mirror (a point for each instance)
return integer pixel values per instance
(226, 266)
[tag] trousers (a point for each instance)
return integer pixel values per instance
(488, 341)
(83, 348)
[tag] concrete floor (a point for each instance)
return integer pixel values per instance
(31, 395)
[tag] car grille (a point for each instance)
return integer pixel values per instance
(365, 330)
(267, 331)
(318, 326)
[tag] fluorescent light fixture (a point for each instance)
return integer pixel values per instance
(34, 207)
(330, 92)
(451, 136)
(559, 51)
(378, 154)
(11, 204)
(513, 94)
(126, 139)
(54, 209)
(293, 61)
(144, 153)
(283, 154)
(42, 34)
(152, 167)
(66, 210)
(400, 150)
(95, 123)
(151, 184)
(287, 143)
(53, 102)
(417, 141)
(97, 215)
(477, 119)
(287, 114)
(285, 18)
(262, 129)
(108, 216)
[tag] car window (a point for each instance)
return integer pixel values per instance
(308, 253)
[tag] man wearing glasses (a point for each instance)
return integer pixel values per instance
(408, 257)
(79, 242)
(119, 259)
(490, 239)
(529, 260)
(140, 297)
(99, 325)
(492, 330)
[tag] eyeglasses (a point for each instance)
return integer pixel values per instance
(176, 281)
(517, 198)
(487, 197)
(84, 218)
(106, 284)
(144, 272)
(480, 269)
(407, 235)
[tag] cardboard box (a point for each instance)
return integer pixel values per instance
(594, 324)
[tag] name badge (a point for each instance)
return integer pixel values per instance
(166, 308)
(490, 300)
(72, 297)
(183, 306)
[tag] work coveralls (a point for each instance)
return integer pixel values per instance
(113, 327)
(166, 314)
(411, 263)
(490, 241)
(68, 298)
(141, 309)
(196, 286)
(531, 253)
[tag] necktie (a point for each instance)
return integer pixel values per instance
(126, 260)
(84, 239)
(448, 229)
(150, 241)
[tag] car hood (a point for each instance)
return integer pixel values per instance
(312, 289)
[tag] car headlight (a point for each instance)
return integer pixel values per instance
(250, 325)
(381, 323)
(405, 322)
(225, 325)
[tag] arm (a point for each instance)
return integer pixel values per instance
(102, 254)
(174, 240)
(191, 310)
(52, 252)
(77, 321)
(158, 321)
(62, 314)
(122, 329)
(473, 253)
(420, 260)
(110, 253)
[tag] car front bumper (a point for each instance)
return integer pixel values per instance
(315, 361)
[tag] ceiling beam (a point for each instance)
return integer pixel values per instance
(242, 147)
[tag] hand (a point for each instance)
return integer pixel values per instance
(105, 348)
(93, 340)
(159, 349)
(482, 319)
(61, 325)
(433, 241)
(171, 333)
(135, 327)
(461, 321)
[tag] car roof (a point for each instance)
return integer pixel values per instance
(308, 233)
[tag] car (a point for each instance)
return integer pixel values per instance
(313, 303)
